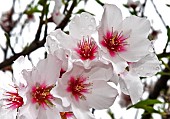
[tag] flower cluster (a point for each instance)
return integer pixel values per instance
(74, 77)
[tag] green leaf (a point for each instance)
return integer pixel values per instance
(146, 105)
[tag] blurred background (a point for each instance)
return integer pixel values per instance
(26, 23)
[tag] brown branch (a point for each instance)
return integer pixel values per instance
(67, 17)
(36, 43)
(158, 13)
(143, 8)
(163, 55)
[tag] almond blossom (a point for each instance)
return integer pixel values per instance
(82, 89)
(12, 90)
(11, 98)
(79, 42)
(122, 41)
(40, 80)
(130, 82)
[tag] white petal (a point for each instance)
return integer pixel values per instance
(81, 113)
(111, 19)
(115, 78)
(59, 91)
(49, 69)
(18, 65)
(51, 44)
(64, 40)
(42, 114)
(29, 111)
(7, 113)
(31, 76)
(139, 26)
(102, 95)
(53, 113)
(57, 17)
(147, 66)
(132, 85)
(137, 49)
(100, 71)
(83, 25)
(118, 63)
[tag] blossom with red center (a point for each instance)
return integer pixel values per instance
(121, 40)
(129, 80)
(114, 42)
(82, 89)
(79, 45)
(11, 98)
(40, 80)
(41, 95)
(14, 100)
(86, 49)
(78, 86)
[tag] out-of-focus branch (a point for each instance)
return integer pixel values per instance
(68, 15)
(37, 36)
(22, 13)
(38, 43)
(163, 55)
(168, 40)
(160, 85)
(158, 13)
(143, 8)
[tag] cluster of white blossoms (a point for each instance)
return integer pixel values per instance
(74, 77)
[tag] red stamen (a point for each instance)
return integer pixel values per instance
(14, 99)
(41, 95)
(87, 49)
(114, 42)
(78, 87)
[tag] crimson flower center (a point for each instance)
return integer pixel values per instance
(78, 86)
(14, 100)
(41, 95)
(86, 49)
(114, 42)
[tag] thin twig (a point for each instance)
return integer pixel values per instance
(158, 13)
(40, 43)
(143, 8)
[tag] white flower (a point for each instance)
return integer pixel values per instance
(12, 89)
(11, 98)
(57, 15)
(83, 89)
(18, 65)
(125, 40)
(40, 80)
(79, 42)
(130, 84)
(147, 66)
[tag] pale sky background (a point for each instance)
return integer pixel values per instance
(96, 9)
